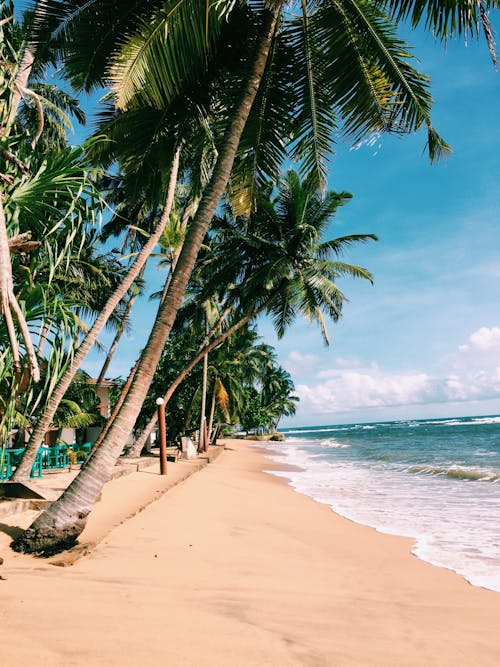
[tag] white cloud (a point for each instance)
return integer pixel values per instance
(344, 389)
(299, 364)
(352, 390)
(482, 351)
(350, 365)
(485, 338)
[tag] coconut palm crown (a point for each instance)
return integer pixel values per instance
(276, 257)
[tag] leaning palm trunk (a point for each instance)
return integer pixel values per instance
(188, 212)
(22, 75)
(202, 445)
(205, 348)
(23, 470)
(116, 410)
(136, 449)
(59, 526)
(211, 419)
(119, 333)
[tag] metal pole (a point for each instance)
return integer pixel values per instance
(163, 435)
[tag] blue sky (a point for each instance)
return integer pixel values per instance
(424, 341)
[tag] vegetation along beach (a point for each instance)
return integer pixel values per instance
(249, 345)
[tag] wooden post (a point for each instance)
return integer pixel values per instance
(205, 435)
(163, 435)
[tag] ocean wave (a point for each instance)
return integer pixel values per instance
(334, 444)
(455, 472)
(447, 521)
(486, 420)
(316, 430)
(484, 452)
(472, 422)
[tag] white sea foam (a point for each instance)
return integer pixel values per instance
(334, 444)
(454, 524)
(485, 420)
(473, 422)
(331, 429)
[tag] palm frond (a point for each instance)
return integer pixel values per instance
(463, 18)
(315, 122)
(373, 84)
(262, 148)
(166, 53)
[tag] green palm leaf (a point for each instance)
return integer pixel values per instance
(156, 62)
(315, 122)
(262, 148)
(368, 75)
(445, 20)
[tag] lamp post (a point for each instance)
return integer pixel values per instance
(163, 435)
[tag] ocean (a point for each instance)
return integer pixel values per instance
(435, 480)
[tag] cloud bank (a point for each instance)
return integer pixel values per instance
(474, 375)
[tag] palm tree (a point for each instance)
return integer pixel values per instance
(24, 468)
(349, 52)
(276, 393)
(22, 170)
(238, 362)
(275, 262)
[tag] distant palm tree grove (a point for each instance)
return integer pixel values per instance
(200, 188)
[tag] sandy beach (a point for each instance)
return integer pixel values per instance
(234, 568)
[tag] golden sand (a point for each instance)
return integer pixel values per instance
(233, 568)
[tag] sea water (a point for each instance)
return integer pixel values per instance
(437, 481)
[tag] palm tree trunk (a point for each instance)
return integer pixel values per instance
(211, 419)
(64, 520)
(23, 470)
(44, 332)
(176, 251)
(205, 348)
(20, 83)
(22, 75)
(9, 307)
(116, 410)
(138, 445)
(119, 333)
(202, 445)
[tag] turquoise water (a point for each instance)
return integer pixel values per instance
(435, 480)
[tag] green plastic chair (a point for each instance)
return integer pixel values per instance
(86, 447)
(37, 468)
(5, 465)
(16, 455)
(57, 457)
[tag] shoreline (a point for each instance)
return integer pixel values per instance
(481, 573)
(232, 567)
